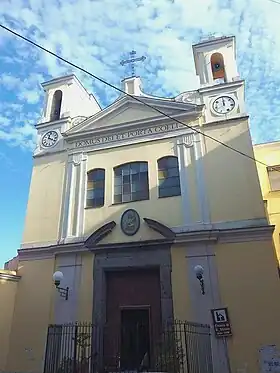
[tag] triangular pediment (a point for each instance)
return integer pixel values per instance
(127, 110)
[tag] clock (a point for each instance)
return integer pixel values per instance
(223, 104)
(130, 222)
(49, 139)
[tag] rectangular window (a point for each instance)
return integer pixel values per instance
(96, 188)
(131, 182)
(168, 177)
(274, 178)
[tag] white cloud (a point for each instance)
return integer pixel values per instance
(4, 121)
(9, 81)
(31, 97)
(98, 34)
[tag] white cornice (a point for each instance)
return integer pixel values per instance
(214, 41)
(53, 124)
(215, 236)
(146, 122)
(221, 87)
(237, 118)
(128, 102)
(67, 79)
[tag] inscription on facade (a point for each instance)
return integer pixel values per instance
(128, 135)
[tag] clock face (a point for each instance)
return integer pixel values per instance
(49, 139)
(223, 104)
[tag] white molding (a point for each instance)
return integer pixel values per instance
(202, 236)
(199, 149)
(221, 87)
(196, 227)
(74, 196)
(132, 141)
(66, 202)
(184, 144)
(129, 101)
(81, 197)
(100, 130)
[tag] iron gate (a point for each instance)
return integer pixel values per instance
(179, 347)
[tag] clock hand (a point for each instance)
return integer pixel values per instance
(223, 101)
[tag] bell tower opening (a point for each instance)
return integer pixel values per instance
(218, 68)
(56, 105)
(215, 61)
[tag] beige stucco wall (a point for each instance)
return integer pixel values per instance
(179, 278)
(31, 316)
(232, 182)
(232, 195)
(26, 327)
(8, 289)
(165, 210)
(86, 288)
(269, 154)
(248, 283)
(45, 198)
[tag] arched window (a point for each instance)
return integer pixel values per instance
(168, 177)
(218, 67)
(56, 105)
(131, 182)
(95, 187)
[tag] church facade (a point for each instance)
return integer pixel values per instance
(147, 217)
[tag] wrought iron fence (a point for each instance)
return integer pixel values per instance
(178, 347)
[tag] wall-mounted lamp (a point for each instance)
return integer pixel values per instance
(57, 278)
(199, 270)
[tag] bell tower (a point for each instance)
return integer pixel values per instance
(221, 88)
(67, 103)
(215, 61)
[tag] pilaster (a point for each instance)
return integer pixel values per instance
(74, 198)
(199, 150)
(184, 147)
(203, 303)
(70, 265)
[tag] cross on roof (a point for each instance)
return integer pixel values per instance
(132, 61)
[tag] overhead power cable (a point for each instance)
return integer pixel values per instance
(132, 96)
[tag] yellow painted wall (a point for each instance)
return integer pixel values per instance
(179, 279)
(86, 288)
(232, 182)
(34, 311)
(249, 286)
(270, 155)
(44, 203)
(166, 210)
(8, 289)
(31, 316)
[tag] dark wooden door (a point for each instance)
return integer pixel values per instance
(127, 289)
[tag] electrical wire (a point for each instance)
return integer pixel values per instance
(133, 97)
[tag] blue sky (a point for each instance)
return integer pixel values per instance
(98, 34)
